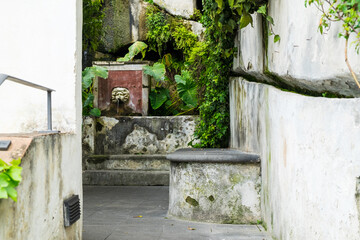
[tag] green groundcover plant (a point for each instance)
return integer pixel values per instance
(10, 177)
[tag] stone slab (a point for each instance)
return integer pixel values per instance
(183, 8)
(212, 155)
(125, 178)
(155, 162)
(17, 148)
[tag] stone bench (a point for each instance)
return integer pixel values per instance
(214, 185)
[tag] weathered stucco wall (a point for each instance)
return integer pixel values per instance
(51, 174)
(303, 57)
(41, 43)
(309, 156)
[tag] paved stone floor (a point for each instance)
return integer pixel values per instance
(129, 213)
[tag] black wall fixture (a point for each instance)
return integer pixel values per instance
(4, 145)
(72, 211)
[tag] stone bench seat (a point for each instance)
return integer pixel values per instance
(214, 185)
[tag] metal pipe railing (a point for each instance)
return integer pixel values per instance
(4, 77)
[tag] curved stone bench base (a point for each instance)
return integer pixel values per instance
(215, 192)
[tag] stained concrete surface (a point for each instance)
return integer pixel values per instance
(113, 213)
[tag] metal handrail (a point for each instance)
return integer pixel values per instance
(4, 77)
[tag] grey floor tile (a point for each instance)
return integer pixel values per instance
(113, 213)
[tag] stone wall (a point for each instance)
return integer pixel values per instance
(303, 58)
(184, 8)
(137, 135)
(124, 23)
(51, 173)
(309, 159)
(132, 150)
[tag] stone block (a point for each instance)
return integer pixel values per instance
(124, 23)
(218, 186)
(183, 8)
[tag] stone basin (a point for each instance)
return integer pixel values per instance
(214, 185)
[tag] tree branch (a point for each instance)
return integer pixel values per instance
(347, 61)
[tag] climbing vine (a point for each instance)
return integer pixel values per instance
(222, 19)
(348, 13)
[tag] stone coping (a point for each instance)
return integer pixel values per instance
(93, 158)
(20, 142)
(212, 155)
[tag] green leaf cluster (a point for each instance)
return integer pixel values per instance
(182, 100)
(134, 49)
(175, 90)
(88, 76)
(10, 177)
(158, 29)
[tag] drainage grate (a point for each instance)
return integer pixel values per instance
(71, 210)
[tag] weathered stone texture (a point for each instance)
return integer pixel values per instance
(183, 8)
(215, 192)
(140, 135)
(124, 23)
(128, 162)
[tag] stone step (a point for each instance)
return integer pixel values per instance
(125, 178)
(155, 162)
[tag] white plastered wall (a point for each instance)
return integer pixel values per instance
(40, 42)
(309, 159)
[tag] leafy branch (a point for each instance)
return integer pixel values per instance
(346, 12)
(88, 76)
(10, 177)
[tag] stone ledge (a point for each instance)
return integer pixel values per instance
(100, 158)
(126, 178)
(213, 155)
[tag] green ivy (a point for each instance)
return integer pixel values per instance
(93, 16)
(213, 61)
(10, 177)
(158, 27)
